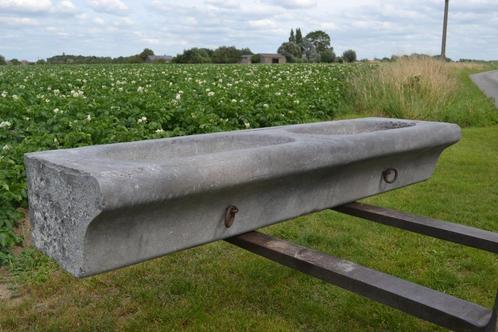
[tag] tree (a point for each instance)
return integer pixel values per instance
(2, 60)
(299, 37)
(246, 51)
(292, 38)
(327, 55)
(41, 62)
(309, 51)
(349, 56)
(226, 54)
(291, 51)
(194, 55)
(15, 62)
(320, 39)
(145, 54)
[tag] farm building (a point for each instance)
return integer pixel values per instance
(272, 58)
(159, 58)
(265, 58)
(246, 59)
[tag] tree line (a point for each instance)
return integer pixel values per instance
(314, 47)
(82, 59)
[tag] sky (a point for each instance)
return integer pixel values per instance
(37, 29)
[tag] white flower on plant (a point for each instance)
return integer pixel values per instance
(143, 119)
(247, 124)
(6, 147)
(140, 89)
(234, 101)
(178, 96)
(56, 110)
(76, 93)
(210, 93)
(160, 131)
(4, 94)
(266, 105)
(56, 92)
(15, 97)
(5, 124)
(89, 117)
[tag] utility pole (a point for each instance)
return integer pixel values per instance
(445, 27)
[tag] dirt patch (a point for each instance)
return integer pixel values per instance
(5, 293)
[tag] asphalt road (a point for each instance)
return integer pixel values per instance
(488, 83)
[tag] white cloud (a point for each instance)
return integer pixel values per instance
(263, 24)
(123, 22)
(99, 21)
(230, 4)
(66, 7)
(295, 4)
(18, 21)
(108, 6)
(26, 6)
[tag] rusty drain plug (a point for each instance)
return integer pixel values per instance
(390, 175)
(230, 213)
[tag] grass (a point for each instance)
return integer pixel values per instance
(425, 89)
(220, 287)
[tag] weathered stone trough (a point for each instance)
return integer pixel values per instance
(99, 208)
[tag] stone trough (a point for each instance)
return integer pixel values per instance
(103, 207)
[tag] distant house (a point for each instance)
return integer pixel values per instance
(159, 58)
(272, 58)
(268, 58)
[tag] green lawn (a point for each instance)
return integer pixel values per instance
(220, 287)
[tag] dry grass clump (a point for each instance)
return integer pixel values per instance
(475, 66)
(407, 88)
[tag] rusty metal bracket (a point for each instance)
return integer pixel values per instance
(422, 302)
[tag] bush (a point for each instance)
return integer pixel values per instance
(226, 54)
(256, 58)
(194, 55)
(327, 55)
(291, 51)
(349, 56)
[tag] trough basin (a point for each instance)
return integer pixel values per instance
(103, 207)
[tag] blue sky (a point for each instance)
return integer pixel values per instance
(33, 29)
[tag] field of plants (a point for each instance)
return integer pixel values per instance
(53, 107)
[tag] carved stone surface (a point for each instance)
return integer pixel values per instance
(98, 208)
